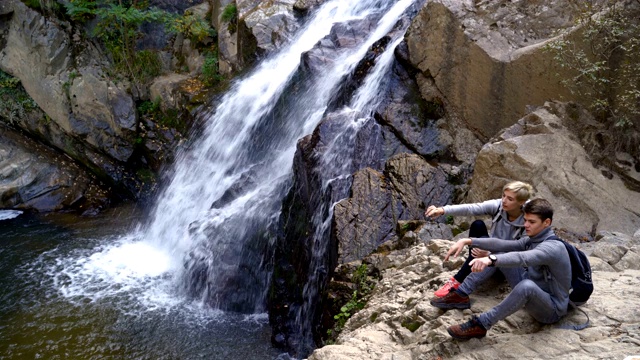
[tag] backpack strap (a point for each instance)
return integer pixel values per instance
(497, 215)
(575, 327)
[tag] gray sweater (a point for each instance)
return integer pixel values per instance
(546, 263)
(501, 228)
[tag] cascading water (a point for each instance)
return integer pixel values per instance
(242, 162)
(210, 234)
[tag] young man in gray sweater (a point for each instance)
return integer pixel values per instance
(538, 271)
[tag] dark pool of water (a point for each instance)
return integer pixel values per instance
(56, 304)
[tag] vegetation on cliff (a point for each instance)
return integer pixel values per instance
(605, 63)
(15, 102)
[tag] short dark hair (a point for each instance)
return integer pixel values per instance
(540, 207)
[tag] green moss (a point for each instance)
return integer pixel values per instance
(373, 317)
(412, 325)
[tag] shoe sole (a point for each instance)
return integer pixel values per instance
(451, 306)
(453, 335)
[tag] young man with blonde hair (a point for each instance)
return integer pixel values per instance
(507, 223)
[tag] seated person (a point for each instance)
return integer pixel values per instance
(543, 267)
(507, 223)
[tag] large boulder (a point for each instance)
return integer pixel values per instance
(271, 22)
(258, 28)
(488, 58)
(399, 323)
(543, 149)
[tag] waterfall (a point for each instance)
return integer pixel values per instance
(216, 216)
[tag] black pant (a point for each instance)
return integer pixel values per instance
(477, 230)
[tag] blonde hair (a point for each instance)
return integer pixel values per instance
(522, 190)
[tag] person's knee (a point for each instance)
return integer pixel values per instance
(525, 287)
(478, 229)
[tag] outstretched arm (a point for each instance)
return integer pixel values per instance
(456, 248)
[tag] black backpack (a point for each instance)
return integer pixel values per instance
(581, 282)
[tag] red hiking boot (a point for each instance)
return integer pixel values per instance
(446, 288)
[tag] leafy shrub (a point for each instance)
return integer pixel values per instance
(46, 6)
(15, 102)
(169, 117)
(118, 27)
(193, 28)
(210, 75)
(364, 285)
(229, 13)
(230, 16)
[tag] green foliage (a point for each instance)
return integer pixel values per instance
(348, 309)
(194, 28)
(230, 16)
(149, 107)
(210, 75)
(146, 64)
(67, 84)
(364, 285)
(169, 118)
(46, 6)
(605, 63)
(118, 27)
(81, 10)
(15, 102)
(229, 13)
(7, 81)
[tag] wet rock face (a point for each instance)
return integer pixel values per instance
(378, 201)
(34, 177)
(271, 23)
(342, 35)
(380, 178)
(304, 6)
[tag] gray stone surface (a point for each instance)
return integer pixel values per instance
(399, 323)
(487, 57)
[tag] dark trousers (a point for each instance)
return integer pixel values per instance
(477, 230)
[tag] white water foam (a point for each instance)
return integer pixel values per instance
(9, 214)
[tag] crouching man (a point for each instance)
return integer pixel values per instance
(539, 273)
